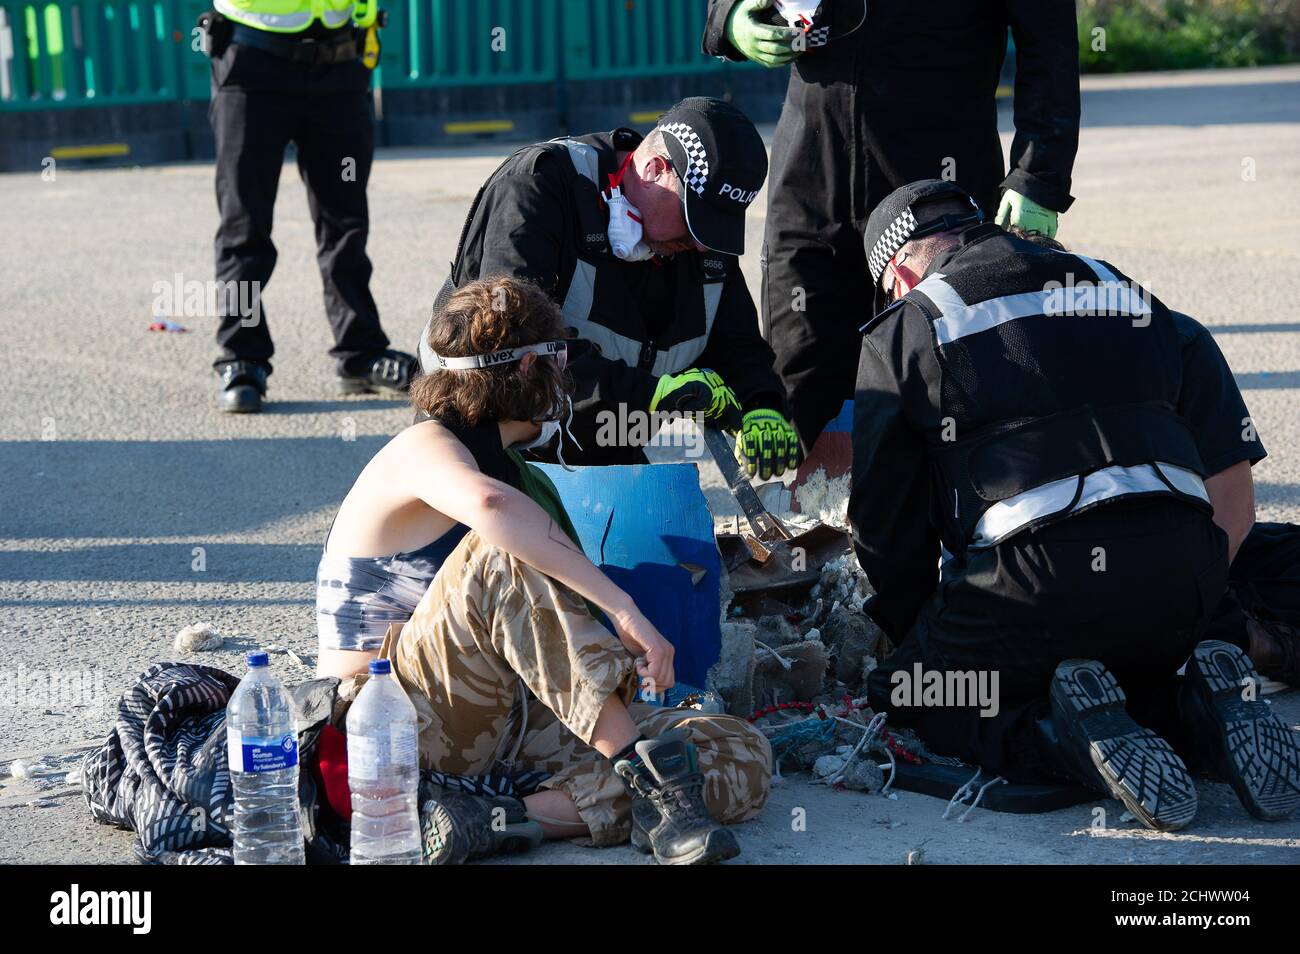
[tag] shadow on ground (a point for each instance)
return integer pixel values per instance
(134, 489)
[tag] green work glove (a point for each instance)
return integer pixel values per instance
(767, 444)
(1017, 209)
(761, 42)
(698, 390)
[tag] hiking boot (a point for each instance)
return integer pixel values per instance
(387, 371)
(1244, 742)
(669, 817)
(457, 826)
(1114, 754)
(243, 385)
(1274, 649)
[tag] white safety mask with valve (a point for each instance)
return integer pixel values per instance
(624, 230)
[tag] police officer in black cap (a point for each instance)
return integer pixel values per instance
(882, 93)
(1051, 475)
(637, 239)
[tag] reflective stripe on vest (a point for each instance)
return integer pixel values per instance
(290, 21)
(1007, 517)
(958, 319)
(582, 289)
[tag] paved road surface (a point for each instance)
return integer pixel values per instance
(117, 475)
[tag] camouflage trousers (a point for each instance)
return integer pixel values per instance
(507, 669)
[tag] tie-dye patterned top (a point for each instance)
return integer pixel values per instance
(357, 598)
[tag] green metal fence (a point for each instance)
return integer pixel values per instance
(486, 42)
(618, 39)
(88, 52)
(71, 69)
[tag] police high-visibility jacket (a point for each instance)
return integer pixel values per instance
(294, 16)
(1014, 387)
(541, 215)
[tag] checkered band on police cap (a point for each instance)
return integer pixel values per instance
(697, 160)
(887, 246)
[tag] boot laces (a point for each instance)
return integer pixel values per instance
(684, 801)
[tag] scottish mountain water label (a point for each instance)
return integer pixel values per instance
(370, 757)
(253, 753)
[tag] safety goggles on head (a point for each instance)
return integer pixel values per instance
(559, 350)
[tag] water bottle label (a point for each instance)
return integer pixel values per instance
(252, 753)
(368, 756)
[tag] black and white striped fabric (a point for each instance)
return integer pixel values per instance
(887, 245)
(697, 158)
(489, 786)
(162, 771)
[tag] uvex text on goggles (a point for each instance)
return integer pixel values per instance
(559, 350)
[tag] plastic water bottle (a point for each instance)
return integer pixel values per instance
(263, 746)
(383, 772)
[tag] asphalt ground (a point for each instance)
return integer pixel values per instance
(129, 507)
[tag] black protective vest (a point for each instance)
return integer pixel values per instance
(1052, 367)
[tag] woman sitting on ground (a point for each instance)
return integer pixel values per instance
(452, 558)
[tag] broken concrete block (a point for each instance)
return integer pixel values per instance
(863, 775)
(799, 667)
(827, 765)
(732, 676)
(854, 637)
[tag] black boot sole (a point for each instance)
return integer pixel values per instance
(1249, 747)
(241, 399)
(720, 845)
(443, 846)
(354, 386)
(1136, 766)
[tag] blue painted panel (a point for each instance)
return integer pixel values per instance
(639, 523)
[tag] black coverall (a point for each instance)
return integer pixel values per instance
(908, 94)
(1024, 605)
(260, 103)
(538, 218)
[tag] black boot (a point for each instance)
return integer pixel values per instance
(1274, 648)
(457, 826)
(243, 385)
(388, 371)
(1111, 753)
(1237, 733)
(669, 817)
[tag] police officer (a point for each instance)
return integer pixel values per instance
(1051, 474)
(881, 93)
(637, 239)
(295, 71)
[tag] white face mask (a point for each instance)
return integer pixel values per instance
(547, 432)
(625, 229)
(544, 436)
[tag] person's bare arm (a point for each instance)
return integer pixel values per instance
(441, 472)
(1232, 494)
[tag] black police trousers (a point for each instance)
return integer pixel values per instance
(1133, 584)
(261, 103)
(824, 183)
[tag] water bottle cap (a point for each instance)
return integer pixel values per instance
(256, 659)
(380, 667)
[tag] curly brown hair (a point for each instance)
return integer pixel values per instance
(485, 316)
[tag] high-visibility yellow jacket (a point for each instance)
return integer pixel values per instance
(294, 16)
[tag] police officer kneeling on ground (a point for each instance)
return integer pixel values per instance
(295, 71)
(637, 240)
(1036, 426)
